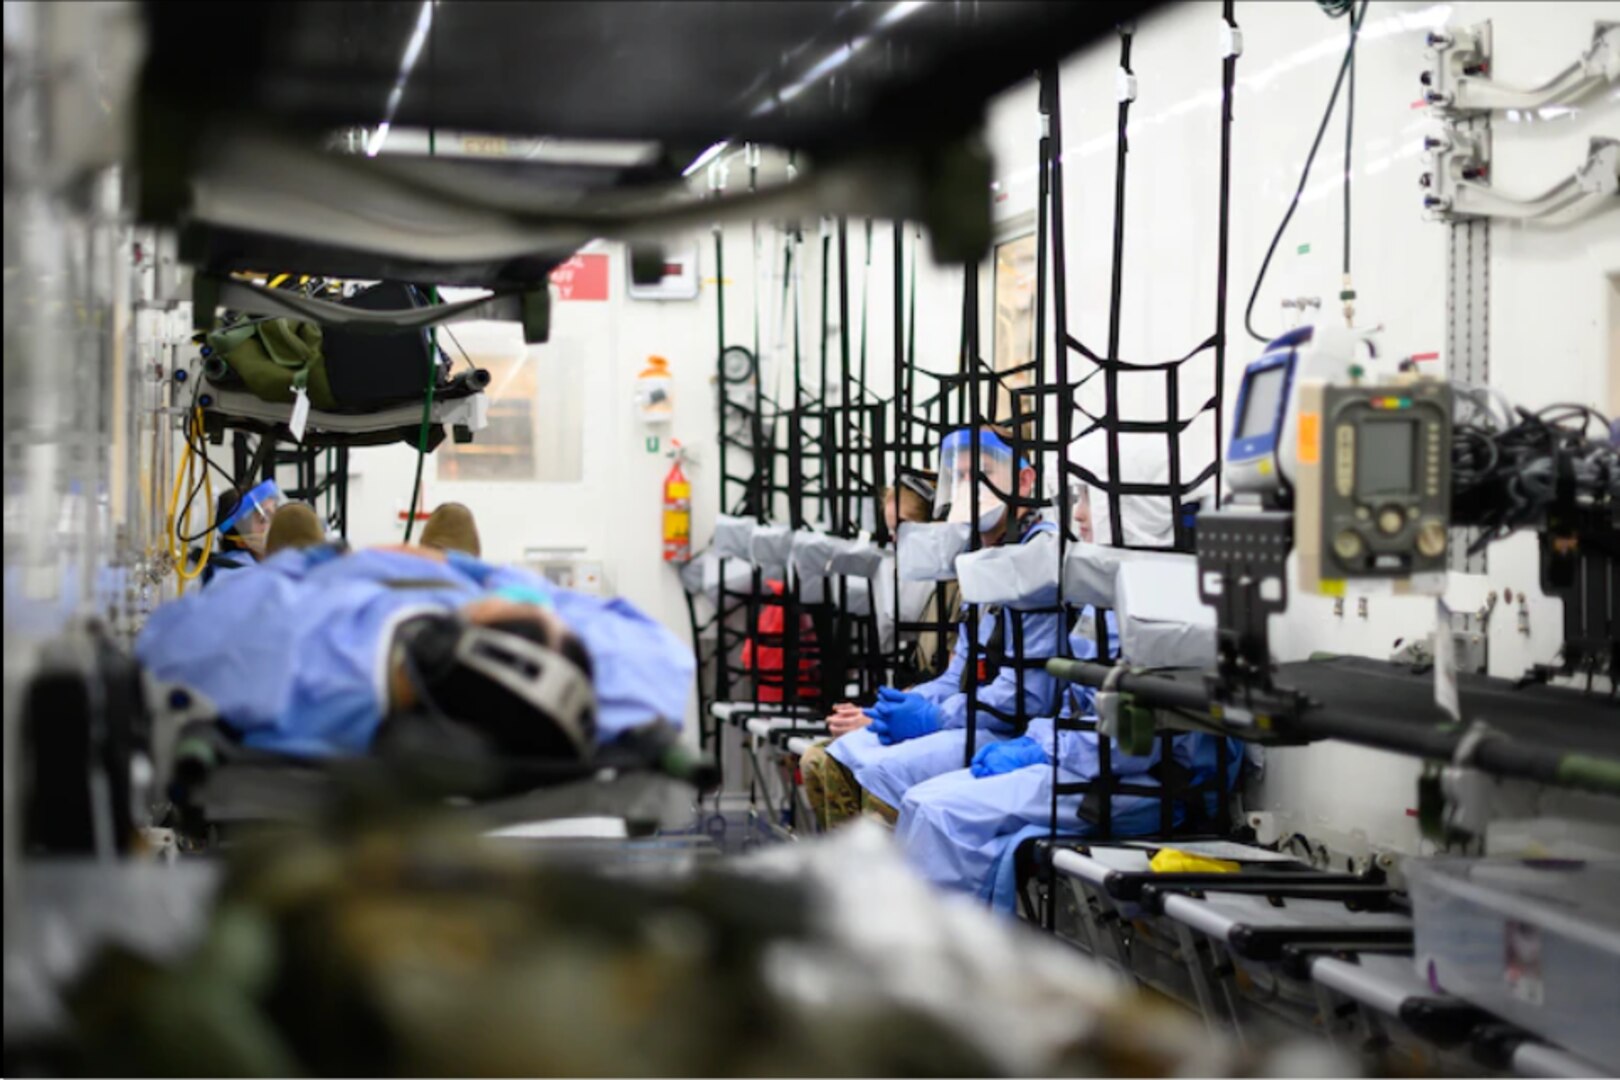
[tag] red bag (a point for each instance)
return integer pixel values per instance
(768, 672)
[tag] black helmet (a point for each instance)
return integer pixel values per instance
(528, 695)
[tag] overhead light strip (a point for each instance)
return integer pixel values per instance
(704, 158)
(413, 51)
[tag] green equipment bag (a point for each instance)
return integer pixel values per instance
(273, 357)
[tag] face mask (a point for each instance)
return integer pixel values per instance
(991, 510)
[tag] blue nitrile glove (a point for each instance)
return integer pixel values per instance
(1004, 757)
(887, 697)
(898, 716)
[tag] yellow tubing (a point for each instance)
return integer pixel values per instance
(185, 473)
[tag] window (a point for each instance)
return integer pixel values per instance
(535, 408)
(1015, 302)
(1014, 340)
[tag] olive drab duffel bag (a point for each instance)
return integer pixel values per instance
(274, 357)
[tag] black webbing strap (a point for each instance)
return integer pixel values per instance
(1143, 488)
(911, 344)
(1116, 282)
(1175, 786)
(722, 679)
(1050, 191)
(758, 493)
(901, 434)
(866, 304)
(840, 521)
(974, 417)
(827, 473)
(1114, 363)
(1110, 364)
(1050, 215)
(1228, 78)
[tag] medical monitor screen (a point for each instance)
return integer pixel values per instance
(1260, 402)
(1385, 458)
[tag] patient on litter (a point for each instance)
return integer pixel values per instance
(315, 652)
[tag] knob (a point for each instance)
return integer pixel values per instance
(1431, 539)
(1347, 545)
(1390, 520)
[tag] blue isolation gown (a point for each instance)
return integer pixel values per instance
(888, 772)
(294, 652)
(959, 830)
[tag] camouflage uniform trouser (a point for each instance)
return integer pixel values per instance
(832, 792)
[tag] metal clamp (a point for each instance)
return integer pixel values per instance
(1458, 79)
(1108, 701)
(1462, 190)
(1469, 743)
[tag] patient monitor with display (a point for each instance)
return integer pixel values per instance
(1360, 455)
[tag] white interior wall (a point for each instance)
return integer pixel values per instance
(1548, 287)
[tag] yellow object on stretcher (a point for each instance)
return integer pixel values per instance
(1172, 861)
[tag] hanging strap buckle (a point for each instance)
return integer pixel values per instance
(1108, 702)
(1125, 86)
(1231, 40)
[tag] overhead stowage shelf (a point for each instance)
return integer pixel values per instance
(240, 156)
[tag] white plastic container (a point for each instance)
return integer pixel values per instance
(1534, 942)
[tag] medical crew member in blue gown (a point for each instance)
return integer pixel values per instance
(911, 736)
(311, 651)
(959, 829)
(241, 527)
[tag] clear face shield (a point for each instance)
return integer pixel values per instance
(251, 518)
(953, 500)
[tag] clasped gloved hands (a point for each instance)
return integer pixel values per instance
(1004, 757)
(898, 715)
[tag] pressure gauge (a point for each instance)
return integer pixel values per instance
(736, 364)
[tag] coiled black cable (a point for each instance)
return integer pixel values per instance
(1508, 478)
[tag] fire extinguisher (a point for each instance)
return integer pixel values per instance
(677, 513)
